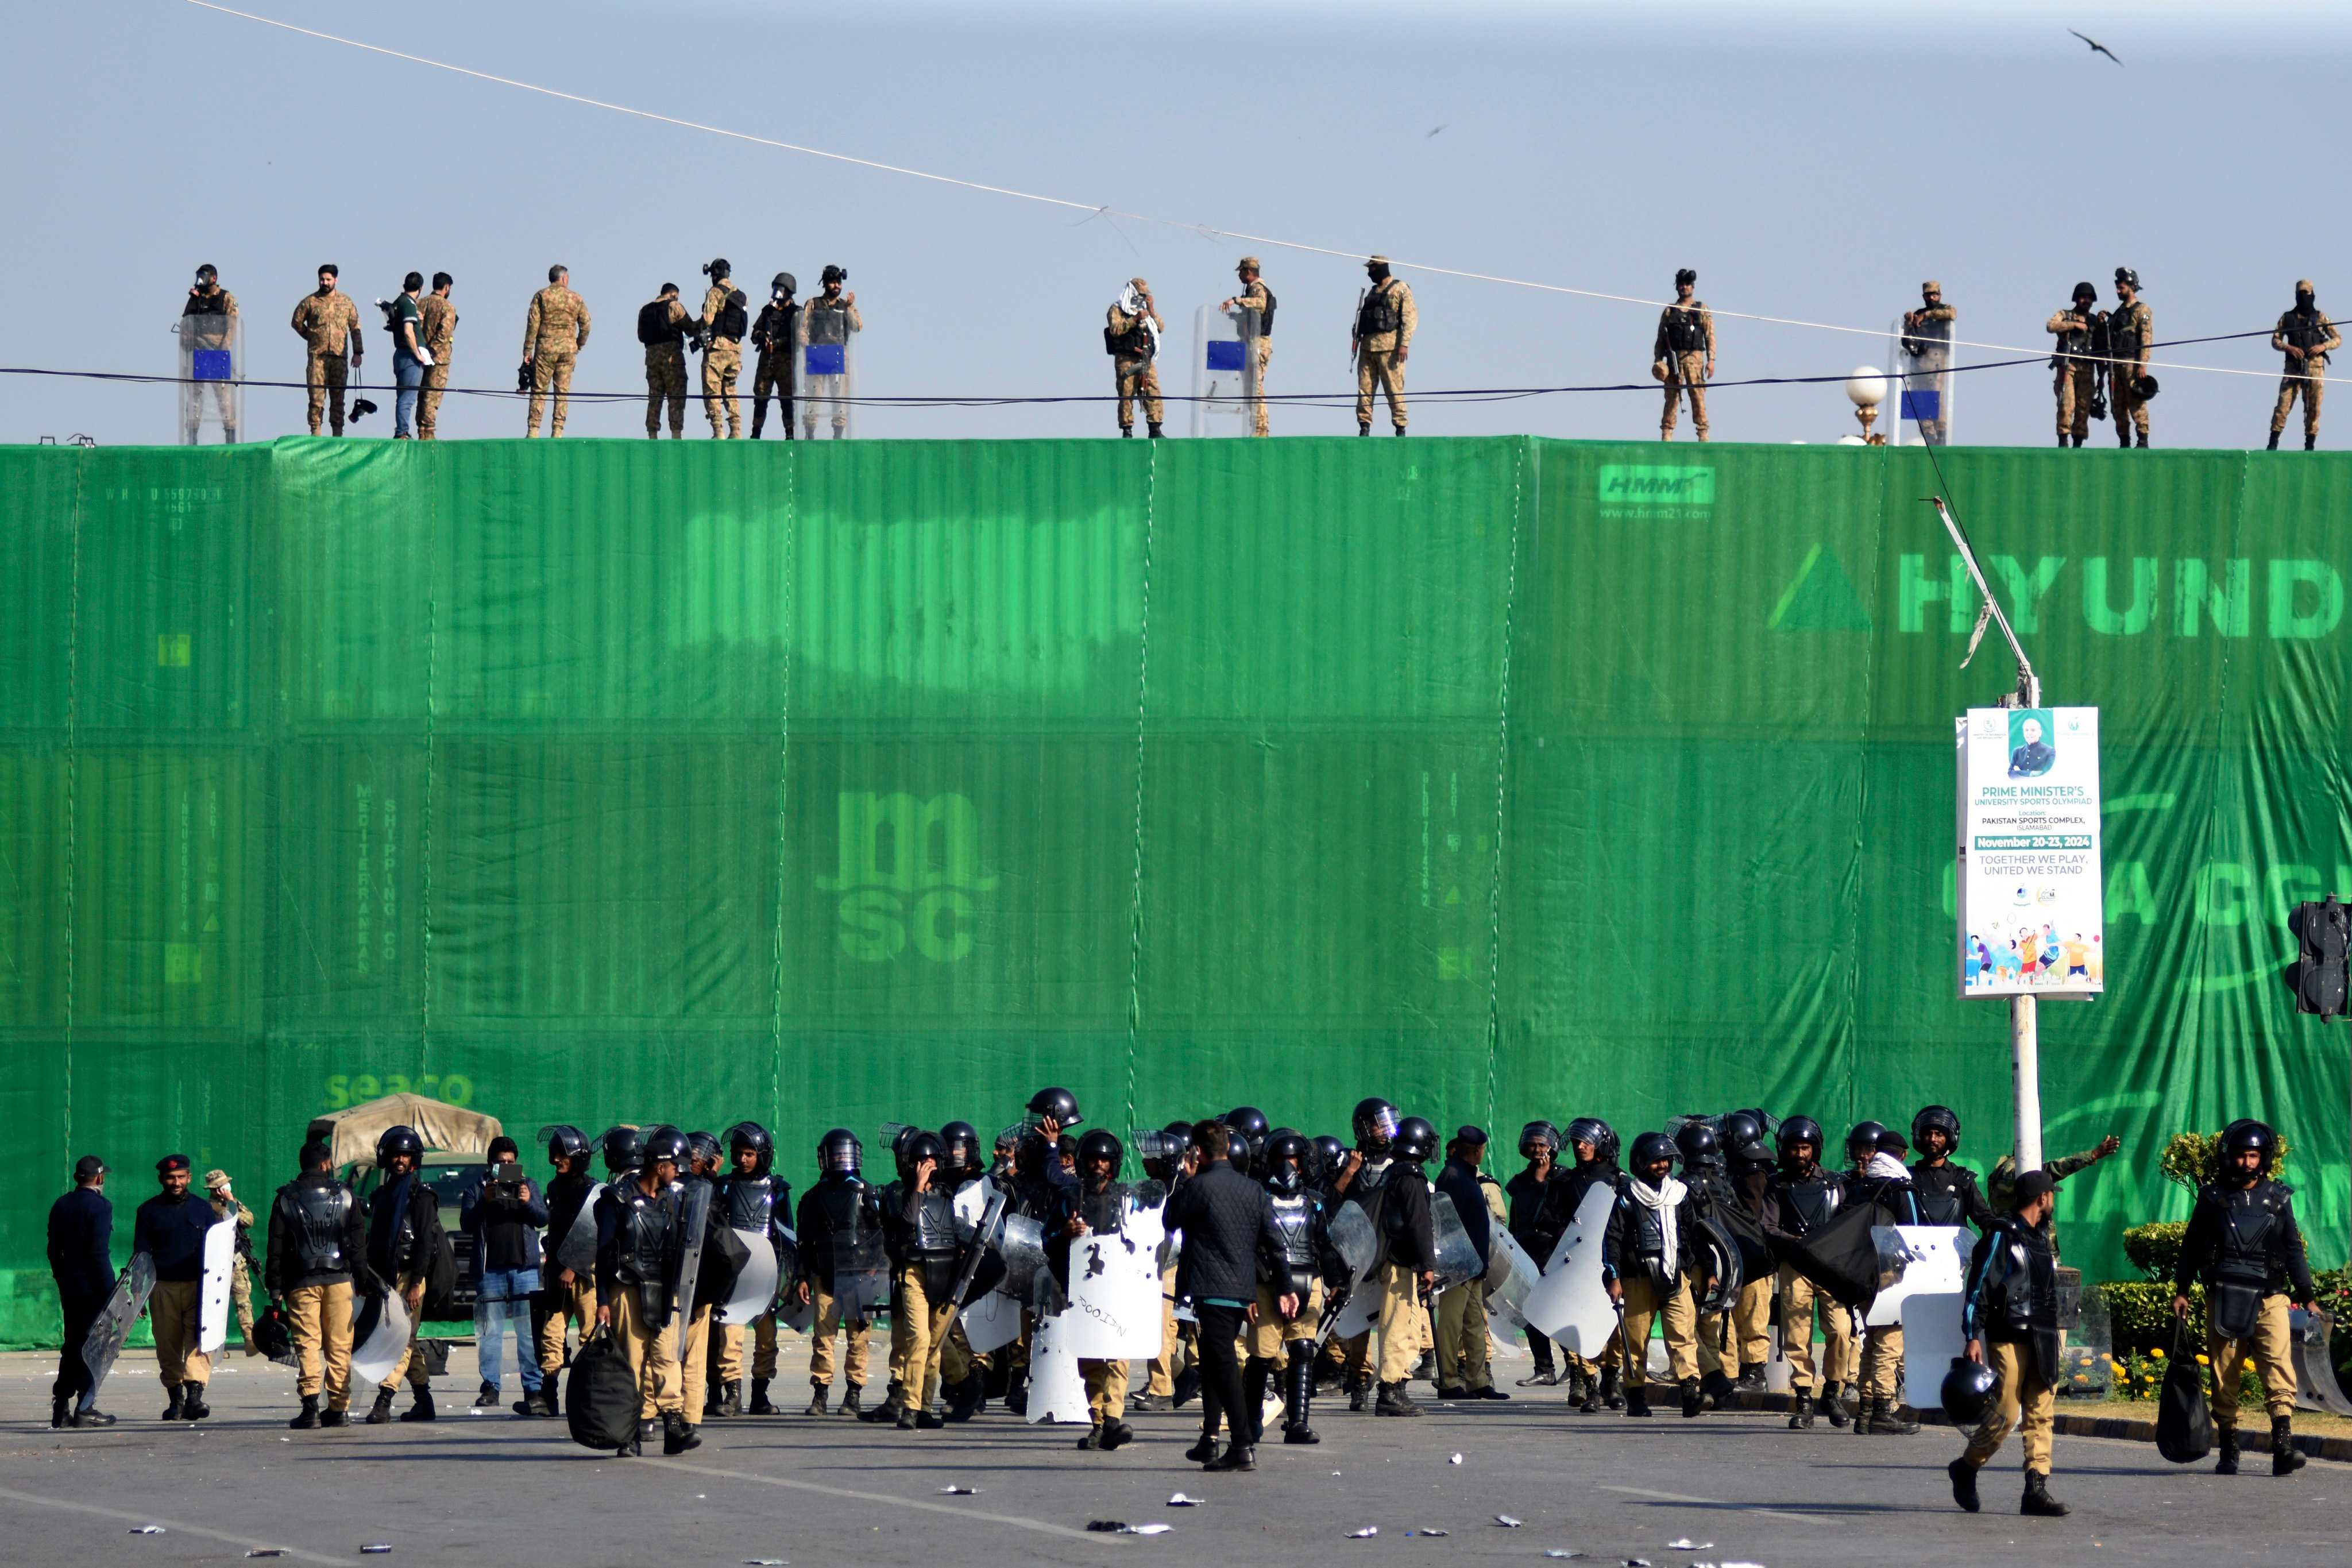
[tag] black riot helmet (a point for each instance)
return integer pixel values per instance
(1375, 1122)
(1968, 1391)
(839, 1153)
(398, 1140)
(786, 285)
(719, 271)
(960, 1140)
(1101, 1143)
(918, 1147)
(1599, 1133)
(1940, 1118)
(1250, 1122)
(900, 1135)
(625, 1150)
(2086, 290)
(1798, 1130)
(1740, 1128)
(1329, 1153)
(1538, 1134)
(1650, 1148)
(1863, 1142)
(1415, 1140)
(2242, 1135)
(563, 1140)
(1699, 1143)
(702, 1147)
(1058, 1103)
(664, 1143)
(1288, 1155)
(752, 1136)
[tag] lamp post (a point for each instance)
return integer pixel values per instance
(1868, 389)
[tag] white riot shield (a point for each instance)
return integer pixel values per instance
(1569, 1305)
(104, 1342)
(2316, 1386)
(1114, 1310)
(1931, 1340)
(1924, 1260)
(1225, 371)
(1057, 1390)
(828, 369)
(213, 1312)
(755, 1286)
(577, 1250)
(1457, 1256)
(1511, 1276)
(211, 375)
(992, 1322)
(1920, 360)
(380, 1331)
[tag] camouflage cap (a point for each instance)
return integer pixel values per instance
(1376, 261)
(2304, 286)
(1140, 286)
(1248, 264)
(1931, 287)
(215, 1180)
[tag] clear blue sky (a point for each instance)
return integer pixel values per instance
(1813, 161)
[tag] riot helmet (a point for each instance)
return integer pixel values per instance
(2241, 1136)
(839, 1153)
(1740, 1128)
(1863, 1142)
(1599, 1133)
(752, 1136)
(786, 285)
(1416, 1139)
(1250, 1122)
(918, 1147)
(1968, 1391)
(1101, 1143)
(625, 1150)
(702, 1147)
(900, 1135)
(1649, 1149)
(960, 1140)
(1539, 1135)
(1058, 1103)
(1936, 1119)
(666, 1144)
(1375, 1122)
(1329, 1152)
(398, 1141)
(563, 1141)
(1700, 1145)
(1798, 1130)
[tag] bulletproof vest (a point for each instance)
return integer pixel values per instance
(1936, 1189)
(2075, 340)
(1294, 1227)
(934, 1228)
(1265, 317)
(1373, 1175)
(1381, 312)
(392, 1222)
(1812, 1200)
(2302, 328)
(774, 327)
(751, 1202)
(320, 1215)
(1687, 329)
(2123, 333)
(827, 323)
(2250, 1229)
(733, 319)
(2028, 1278)
(1136, 341)
(654, 328)
(203, 305)
(1646, 1230)
(641, 1239)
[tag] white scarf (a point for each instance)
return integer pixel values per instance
(1664, 1200)
(1887, 1165)
(1131, 302)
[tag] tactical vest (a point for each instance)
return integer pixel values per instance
(2251, 1225)
(1686, 328)
(320, 1217)
(1105, 1211)
(1373, 1175)
(733, 319)
(751, 1202)
(827, 323)
(2302, 330)
(1937, 1190)
(1265, 317)
(1381, 312)
(2123, 333)
(1294, 1227)
(1646, 1230)
(1811, 1201)
(2074, 341)
(641, 1234)
(654, 328)
(214, 304)
(391, 1222)
(1133, 343)
(934, 1228)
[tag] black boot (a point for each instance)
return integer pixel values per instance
(487, 1397)
(1832, 1405)
(1154, 429)
(1204, 1451)
(817, 1393)
(1801, 1413)
(2123, 437)
(1127, 432)
(1862, 1414)
(2227, 1465)
(2037, 1500)
(380, 1412)
(908, 1419)
(421, 1409)
(1693, 1402)
(636, 1442)
(1579, 1387)
(761, 1404)
(1359, 1393)
(1964, 1484)
(2274, 446)
(1543, 1377)
(1395, 1401)
(2286, 1457)
(1887, 1420)
(1255, 1374)
(333, 1417)
(90, 1415)
(853, 1402)
(1637, 1399)
(179, 1397)
(60, 1409)
(1591, 1404)
(965, 1398)
(2311, 442)
(195, 1409)
(1717, 1389)
(1236, 1456)
(1301, 1392)
(1400, 430)
(2064, 441)
(1016, 1392)
(1364, 430)
(677, 1436)
(1613, 1388)
(1092, 1441)
(309, 1420)
(546, 1397)
(1117, 1433)
(1752, 1378)
(2142, 442)
(885, 1411)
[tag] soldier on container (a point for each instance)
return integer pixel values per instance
(662, 325)
(553, 335)
(204, 322)
(2081, 331)
(1928, 340)
(1385, 322)
(329, 325)
(2306, 337)
(1256, 295)
(773, 335)
(825, 320)
(440, 335)
(2131, 336)
(725, 324)
(1683, 356)
(1131, 329)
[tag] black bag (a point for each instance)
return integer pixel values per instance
(2184, 1425)
(1839, 1257)
(602, 1397)
(441, 1278)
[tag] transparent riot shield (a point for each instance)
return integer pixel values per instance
(1023, 1248)
(1511, 1274)
(828, 369)
(1225, 370)
(1456, 1262)
(755, 1285)
(1915, 1260)
(1719, 1266)
(694, 1219)
(211, 372)
(861, 1274)
(2315, 1385)
(1920, 359)
(1570, 1305)
(1351, 1233)
(577, 1250)
(379, 1331)
(213, 1313)
(106, 1337)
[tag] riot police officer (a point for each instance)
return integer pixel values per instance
(403, 1236)
(1592, 1382)
(840, 1225)
(1879, 1179)
(1523, 1198)
(1646, 1260)
(1802, 1194)
(1096, 1206)
(1946, 1194)
(640, 1246)
(2009, 1316)
(316, 1242)
(1362, 1172)
(1295, 1263)
(919, 1226)
(750, 1196)
(1700, 1147)
(1747, 1172)
(568, 1289)
(1408, 1264)
(2243, 1245)
(1175, 1375)
(1249, 1129)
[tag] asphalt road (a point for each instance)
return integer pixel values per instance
(498, 1491)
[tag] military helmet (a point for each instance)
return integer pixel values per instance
(2125, 275)
(2144, 388)
(719, 271)
(1101, 1143)
(625, 1150)
(918, 1147)
(1250, 1122)
(785, 283)
(1863, 1142)
(750, 1135)
(1798, 1130)
(703, 1147)
(1685, 275)
(1416, 1139)
(1937, 1117)
(1650, 1148)
(1288, 1154)
(2086, 289)
(1058, 1103)
(1699, 1144)
(666, 1143)
(208, 271)
(836, 274)
(2247, 1133)
(398, 1140)
(1375, 1122)
(563, 1141)
(840, 1152)
(1538, 1134)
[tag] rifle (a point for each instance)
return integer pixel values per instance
(1355, 344)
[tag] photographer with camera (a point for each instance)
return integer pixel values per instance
(404, 322)
(504, 1211)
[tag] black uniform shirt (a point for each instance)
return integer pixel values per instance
(171, 1231)
(81, 1241)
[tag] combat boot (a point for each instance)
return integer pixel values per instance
(817, 1394)
(2286, 1457)
(2227, 1465)
(543, 1402)
(380, 1412)
(1016, 1392)
(195, 1409)
(1613, 1388)
(1543, 1377)
(636, 1442)
(179, 1397)
(1300, 1389)
(1717, 1389)
(60, 1409)
(1832, 1405)
(487, 1397)
(908, 1419)
(853, 1401)
(888, 1409)
(1092, 1442)
(1579, 1387)
(1238, 1456)
(1887, 1420)
(1359, 1393)
(1256, 1376)
(927, 1420)
(421, 1409)
(2311, 443)
(1154, 428)
(2142, 442)
(1862, 1414)
(1187, 1386)
(1801, 1413)
(965, 1398)
(1117, 1433)
(2037, 1500)
(333, 1417)
(677, 1436)
(1591, 1404)
(1964, 1484)
(1425, 1369)
(2274, 446)
(2122, 434)
(309, 1420)
(1752, 1378)
(1693, 1402)
(1204, 1451)
(1393, 1401)
(1637, 1399)
(91, 1415)
(760, 1404)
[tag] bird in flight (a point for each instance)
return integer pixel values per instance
(1434, 133)
(2097, 47)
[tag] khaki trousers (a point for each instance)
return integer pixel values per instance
(1404, 1322)
(1272, 1331)
(763, 1333)
(957, 1359)
(918, 1338)
(574, 1303)
(172, 1308)
(2271, 1351)
(2021, 1391)
(1798, 1302)
(1882, 1362)
(1380, 368)
(1685, 373)
(1106, 1388)
(1461, 1337)
(551, 370)
(1644, 1303)
(827, 1324)
(412, 1360)
(321, 1316)
(1162, 1382)
(2077, 384)
(653, 1356)
(693, 1370)
(428, 405)
(1257, 405)
(2311, 389)
(1740, 1337)
(721, 364)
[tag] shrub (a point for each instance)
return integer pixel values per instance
(2154, 1249)
(2194, 1159)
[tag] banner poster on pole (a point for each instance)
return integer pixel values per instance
(2030, 897)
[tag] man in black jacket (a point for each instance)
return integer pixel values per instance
(404, 1234)
(567, 1296)
(504, 1211)
(170, 1229)
(81, 1261)
(2243, 1243)
(1645, 1259)
(1463, 1369)
(1225, 1218)
(840, 1225)
(317, 1243)
(2009, 1317)
(1804, 1195)
(773, 335)
(1948, 1194)
(1523, 1197)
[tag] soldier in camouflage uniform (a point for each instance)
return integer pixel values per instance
(2081, 331)
(1682, 354)
(240, 1288)
(1131, 329)
(2001, 1187)
(2306, 337)
(1928, 340)
(1385, 322)
(830, 318)
(553, 337)
(329, 323)
(206, 322)
(723, 329)
(661, 326)
(2131, 337)
(1256, 295)
(440, 321)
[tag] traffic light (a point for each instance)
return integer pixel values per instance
(2317, 975)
